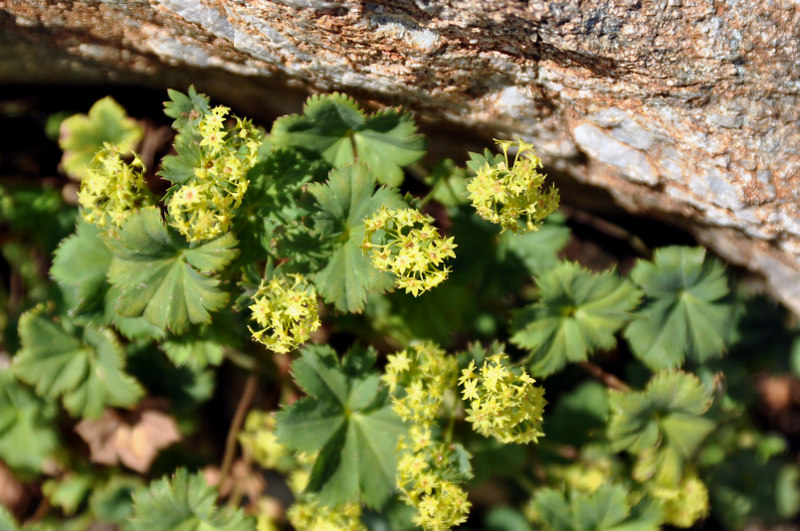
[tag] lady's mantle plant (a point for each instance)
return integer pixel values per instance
(417, 331)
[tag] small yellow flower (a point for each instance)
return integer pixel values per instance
(510, 193)
(203, 207)
(313, 516)
(504, 406)
(684, 504)
(112, 188)
(286, 312)
(413, 250)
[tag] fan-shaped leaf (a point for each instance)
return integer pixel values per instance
(684, 313)
(347, 417)
(664, 424)
(344, 201)
(81, 263)
(578, 313)
(27, 431)
(605, 509)
(164, 279)
(86, 372)
(335, 128)
(82, 135)
(186, 503)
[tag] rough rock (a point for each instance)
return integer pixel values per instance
(685, 109)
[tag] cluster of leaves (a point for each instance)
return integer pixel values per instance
(120, 340)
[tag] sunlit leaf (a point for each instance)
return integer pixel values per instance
(347, 417)
(344, 201)
(184, 503)
(335, 128)
(82, 135)
(163, 278)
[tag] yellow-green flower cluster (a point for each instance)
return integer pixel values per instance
(413, 250)
(510, 193)
(259, 440)
(422, 478)
(503, 405)
(683, 505)
(312, 516)
(202, 208)
(111, 188)
(420, 377)
(285, 309)
(425, 372)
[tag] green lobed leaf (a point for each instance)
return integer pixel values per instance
(112, 502)
(343, 202)
(81, 263)
(269, 219)
(579, 312)
(195, 351)
(664, 424)
(605, 509)
(68, 492)
(335, 128)
(348, 418)
(187, 110)
(86, 372)
(161, 277)
(184, 503)
(684, 313)
(27, 426)
(82, 135)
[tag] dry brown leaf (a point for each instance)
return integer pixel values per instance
(251, 483)
(133, 442)
(11, 490)
(776, 391)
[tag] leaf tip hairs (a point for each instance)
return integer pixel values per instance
(511, 192)
(413, 250)
(285, 309)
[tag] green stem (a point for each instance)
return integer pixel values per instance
(422, 202)
(451, 423)
(245, 361)
(525, 483)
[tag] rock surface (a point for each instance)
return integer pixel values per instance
(686, 109)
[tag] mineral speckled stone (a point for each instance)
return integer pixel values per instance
(685, 109)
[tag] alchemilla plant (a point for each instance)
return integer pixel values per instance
(398, 354)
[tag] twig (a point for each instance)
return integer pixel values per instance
(41, 510)
(611, 229)
(238, 486)
(608, 379)
(233, 432)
